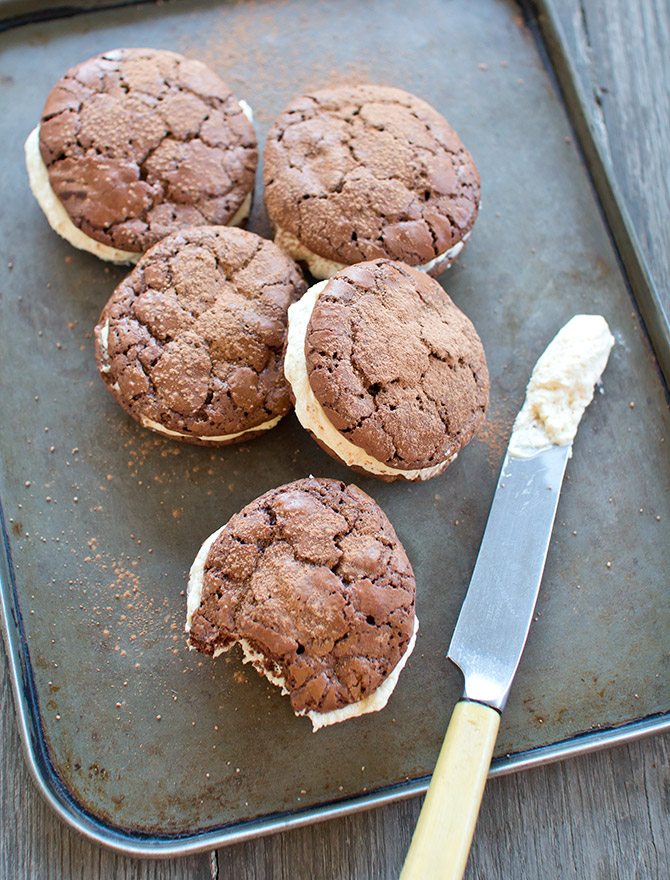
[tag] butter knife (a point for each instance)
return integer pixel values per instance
(495, 617)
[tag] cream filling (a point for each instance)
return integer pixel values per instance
(372, 703)
(246, 109)
(311, 414)
(218, 438)
(321, 267)
(242, 212)
(561, 386)
(60, 220)
(196, 577)
(245, 208)
(57, 216)
(146, 422)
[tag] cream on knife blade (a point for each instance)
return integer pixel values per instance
(492, 627)
(561, 386)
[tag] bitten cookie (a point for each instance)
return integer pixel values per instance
(311, 581)
(138, 143)
(191, 342)
(359, 172)
(387, 373)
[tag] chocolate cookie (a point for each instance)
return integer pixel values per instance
(190, 343)
(311, 580)
(138, 143)
(387, 373)
(359, 172)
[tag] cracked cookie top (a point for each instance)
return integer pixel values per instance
(367, 171)
(140, 142)
(313, 577)
(397, 367)
(192, 339)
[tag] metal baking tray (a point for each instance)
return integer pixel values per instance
(154, 750)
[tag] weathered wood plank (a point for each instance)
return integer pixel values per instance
(621, 51)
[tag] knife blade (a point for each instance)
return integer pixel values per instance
(495, 617)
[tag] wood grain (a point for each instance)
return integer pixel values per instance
(621, 52)
(605, 816)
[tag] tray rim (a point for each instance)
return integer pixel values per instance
(552, 46)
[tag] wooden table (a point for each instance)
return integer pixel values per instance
(606, 815)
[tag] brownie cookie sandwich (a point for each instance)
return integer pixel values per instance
(359, 172)
(191, 342)
(312, 583)
(138, 143)
(388, 375)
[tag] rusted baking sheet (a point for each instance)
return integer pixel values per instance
(152, 749)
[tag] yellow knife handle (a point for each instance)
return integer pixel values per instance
(442, 838)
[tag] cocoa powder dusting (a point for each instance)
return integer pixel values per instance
(496, 429)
